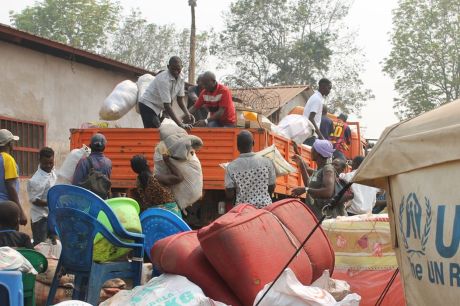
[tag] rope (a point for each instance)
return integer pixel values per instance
(387, 288)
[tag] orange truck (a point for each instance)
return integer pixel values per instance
(219, 147)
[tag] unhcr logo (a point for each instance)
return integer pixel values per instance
(414, 231)
(438, 266)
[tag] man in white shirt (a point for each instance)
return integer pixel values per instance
(314, 108)
(158, 97)
(37, 189)
(364, 196)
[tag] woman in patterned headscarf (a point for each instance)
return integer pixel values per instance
(153, 191)
(320, 186)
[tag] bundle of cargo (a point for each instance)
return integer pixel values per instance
(364, 257)
(246, 249)
(182, 148)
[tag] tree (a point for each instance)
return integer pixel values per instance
(425, 58)
(191, 72)
(150, 46)
(286, 42)
(80, 23)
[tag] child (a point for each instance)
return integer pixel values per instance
(37, 188)
(9, 225)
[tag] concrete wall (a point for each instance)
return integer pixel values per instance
(63, 94)
(299, 100)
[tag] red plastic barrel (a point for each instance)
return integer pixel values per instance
(249, 247)
(300, 220)
(181, 254)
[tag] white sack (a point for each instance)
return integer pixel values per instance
(178, 142)
(295, 127)
(282, 167)
(288, 291)
(339, 289)
(142, 83)
(12, 260)
(120, 101)
(190, 189)
(65, 173)
(48, 249)
(167, 289)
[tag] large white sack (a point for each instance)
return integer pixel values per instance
(65, 173)
(142, 83)
(288, 291)
(120, 101)
(282, 167)
(12, 260)
(167, 289)
(295, 127)
(190, 189)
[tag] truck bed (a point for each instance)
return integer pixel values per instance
(219, 147)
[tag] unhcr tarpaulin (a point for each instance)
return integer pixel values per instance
(418, 163)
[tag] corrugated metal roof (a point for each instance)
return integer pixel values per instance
(48, 46)
(283, 94)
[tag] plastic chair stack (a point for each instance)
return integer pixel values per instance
(73, 215)
(40, 263)
(11, 292)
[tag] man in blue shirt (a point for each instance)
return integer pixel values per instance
(327, 126)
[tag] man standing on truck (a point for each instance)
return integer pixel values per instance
(314, 108)
(249, 179)
(158, 97)
(327, 126)
(341, 137)
(217, 99)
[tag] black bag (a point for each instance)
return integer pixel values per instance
(97, 182)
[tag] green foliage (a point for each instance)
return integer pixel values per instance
(79, 23)
(150, 46)
(287, 42)
(425, 59)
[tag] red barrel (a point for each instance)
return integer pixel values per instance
(181, 254)
(300, 220)
(249, 247)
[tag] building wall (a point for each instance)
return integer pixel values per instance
(40, 87)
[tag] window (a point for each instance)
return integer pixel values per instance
(31, 139)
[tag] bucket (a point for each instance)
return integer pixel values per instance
(127, 211)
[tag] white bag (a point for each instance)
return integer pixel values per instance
(167, 289)
(282, 167)
(12, 260)
(295, 127)
(190, 189)
(339, 289)
(288, 291)
(48, 249)
(65, 173)
(142, 83)
(120, 101)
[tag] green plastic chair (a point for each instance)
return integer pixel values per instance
(40, 263)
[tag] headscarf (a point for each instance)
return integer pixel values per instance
(323, 147)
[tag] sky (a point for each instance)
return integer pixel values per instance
(370, 19)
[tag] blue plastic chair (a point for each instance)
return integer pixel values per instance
(160, 223)
(77, 242)
(11, 292)
(76, 197)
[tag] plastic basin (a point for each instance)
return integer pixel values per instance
(127, 212)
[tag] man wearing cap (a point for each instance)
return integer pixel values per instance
(96, 159)
(9, 185)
